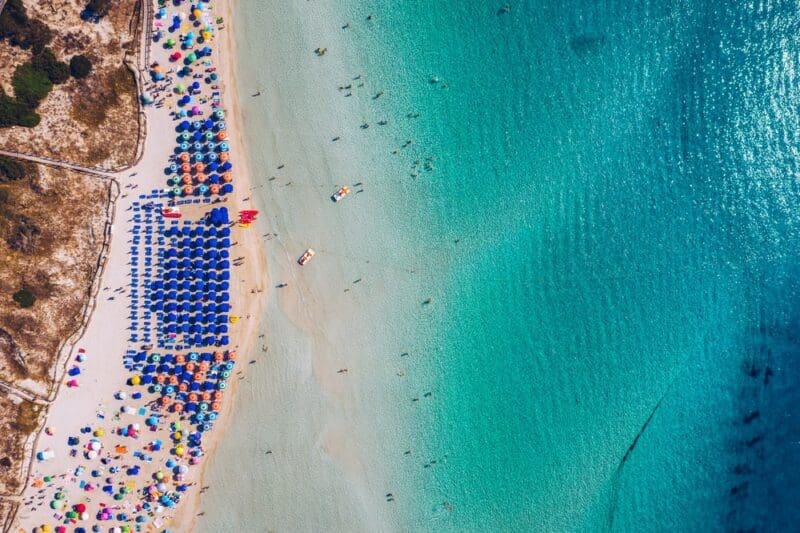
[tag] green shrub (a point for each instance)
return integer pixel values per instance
(31, 119)
(30, 85)
(80, 66)
(56, 71)
(99, 7)
(24, 298)
(23, 31)
(11, 111)
(11, 169)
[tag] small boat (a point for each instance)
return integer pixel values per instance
(306, 257)
(341, 193)
(171, 211)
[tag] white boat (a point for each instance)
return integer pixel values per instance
(341, 193)
(306, 257)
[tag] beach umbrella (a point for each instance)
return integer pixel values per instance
(184, 125)
(180, 89)
(219, 114)
(227, 188)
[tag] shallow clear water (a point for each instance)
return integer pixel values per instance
(609, 221)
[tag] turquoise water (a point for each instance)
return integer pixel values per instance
(623, 181)
(609, 221)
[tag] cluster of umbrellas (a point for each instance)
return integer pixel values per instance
(191, 383)
(193, 294)
(202, 166)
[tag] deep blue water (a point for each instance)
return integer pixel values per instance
(616, 332)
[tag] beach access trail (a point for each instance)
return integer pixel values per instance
(57, 163)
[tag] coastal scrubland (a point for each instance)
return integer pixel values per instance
(52, 227)
(67, 84)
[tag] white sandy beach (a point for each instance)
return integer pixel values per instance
(105, 337)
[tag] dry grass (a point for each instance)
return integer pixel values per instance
(79, 117)
(62, 216)
(18, 419)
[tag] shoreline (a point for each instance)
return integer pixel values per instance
(255, 251)
(328, 404)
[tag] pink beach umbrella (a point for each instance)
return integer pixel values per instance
(72, 383)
